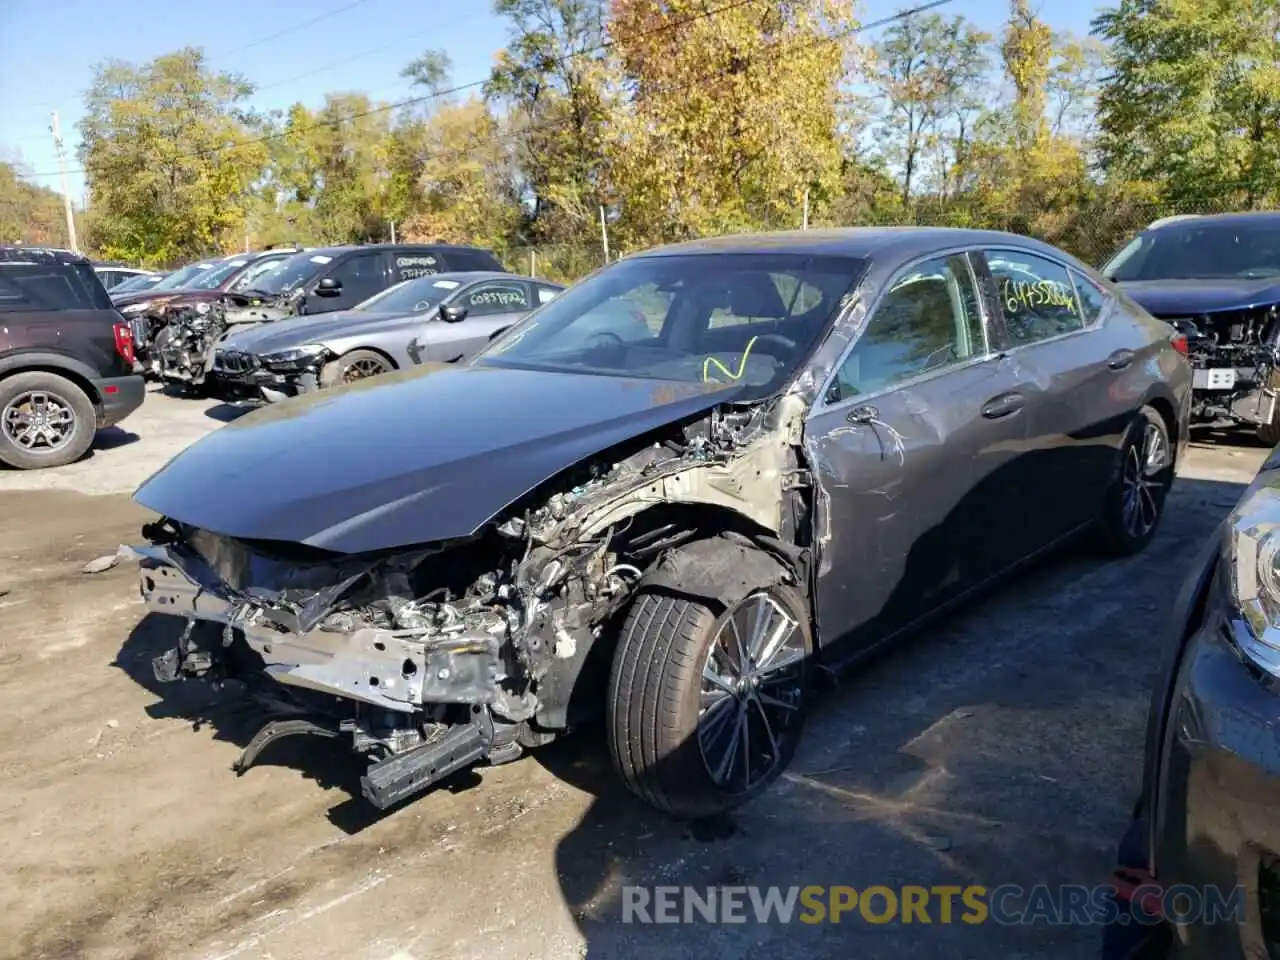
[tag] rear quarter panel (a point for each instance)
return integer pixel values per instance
(85, 336)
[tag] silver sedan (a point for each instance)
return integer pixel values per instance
(441, 318)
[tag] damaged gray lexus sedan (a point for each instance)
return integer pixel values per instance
(827, 438)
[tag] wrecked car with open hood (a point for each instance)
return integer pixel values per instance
(826, 437)
(1216, 280)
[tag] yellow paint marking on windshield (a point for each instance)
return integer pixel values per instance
(742, 364)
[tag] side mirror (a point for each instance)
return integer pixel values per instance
(329, 287)
(453, 312)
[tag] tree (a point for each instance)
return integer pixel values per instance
(1193, 100)
(733, 115)
(1028, 51)
(332, 165)
(28, 213)
(466, 190)
(552, 78)
(928, 71)
(169, 158)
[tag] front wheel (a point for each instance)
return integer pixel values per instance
(353, 366)
(706, 708)
(1136, 498)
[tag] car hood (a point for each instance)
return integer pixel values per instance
(295, 331)
(177, 296)
(421, 455)
(1183, 298)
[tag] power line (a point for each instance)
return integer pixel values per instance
(474, 84)
(293, 29)
(45, 104)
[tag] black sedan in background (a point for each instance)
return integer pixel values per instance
(1207, 822)
(811, 443)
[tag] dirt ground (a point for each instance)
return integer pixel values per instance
(1001, 748)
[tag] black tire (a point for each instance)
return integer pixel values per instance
(69, 406)
(1139, 487)
(656, 691)
(354, 365)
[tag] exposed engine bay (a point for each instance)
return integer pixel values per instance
(1234, 355)
(182, 347)
(432, 658)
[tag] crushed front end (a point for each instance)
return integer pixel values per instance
(244, 375)
(1234, 355)
(431, 658)
(182, 349)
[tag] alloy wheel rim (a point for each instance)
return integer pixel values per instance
(1143, 481)
(38, 421)
(751, 691)
(364, 367)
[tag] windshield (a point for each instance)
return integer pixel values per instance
(210, 279)
(181, 277)
(1200, 251)
(410, 296)
(141, 282)
(254, 273)
(749, 318)
(291, 273)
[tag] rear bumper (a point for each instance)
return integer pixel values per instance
(120, 397)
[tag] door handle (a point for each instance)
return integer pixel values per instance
(863, 414)
(1004, 405)
(1120, 359)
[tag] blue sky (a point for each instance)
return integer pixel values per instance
(46, 61)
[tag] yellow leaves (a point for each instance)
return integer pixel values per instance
(732, 116)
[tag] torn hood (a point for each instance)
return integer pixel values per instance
(1187, 298)
(426, 454)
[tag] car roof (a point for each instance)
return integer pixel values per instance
(15, 254)
(853, 242)
(426, 244)
(1227, 219)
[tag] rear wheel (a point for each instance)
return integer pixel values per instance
(45, 421)
(706, 708)
(353, 366)
(1135, 501)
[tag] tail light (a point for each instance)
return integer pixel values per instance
(1179, 341)
(124, 340)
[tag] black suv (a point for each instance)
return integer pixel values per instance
(337, 278)
(66, 358)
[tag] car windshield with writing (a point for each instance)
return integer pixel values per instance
(181, 279)
(291, 274)
(410, 296)
(732, 318)
(1200, 251)
(144, 281)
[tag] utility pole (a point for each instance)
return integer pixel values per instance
(393, 231)
(805, 225)
(66, 194)
(604, 234)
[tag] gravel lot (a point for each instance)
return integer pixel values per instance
(1001, 748)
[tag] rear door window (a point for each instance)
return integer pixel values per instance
(40, 286)
(1036, 296)
(410, 264)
